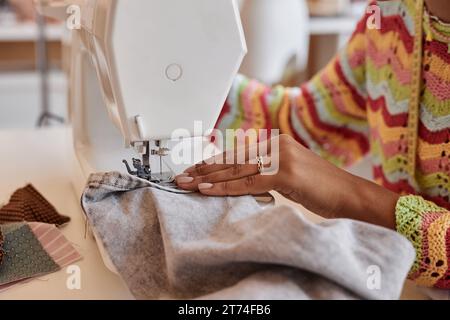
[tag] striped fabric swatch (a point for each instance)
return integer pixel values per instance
(55, 244)
(1, 247)
(32, 250)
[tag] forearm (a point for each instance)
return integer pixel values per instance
(425, 224)
(368, 202)
(332, 192)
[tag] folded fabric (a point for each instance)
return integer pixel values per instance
(32, 250)
(167, 245)
(27, 204)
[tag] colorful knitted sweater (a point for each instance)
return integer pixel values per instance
(359, 104)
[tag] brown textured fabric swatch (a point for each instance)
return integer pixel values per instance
(2, 252)
(27, 204)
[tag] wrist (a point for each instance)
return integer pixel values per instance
(372, 203)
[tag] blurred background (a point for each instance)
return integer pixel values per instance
(288, 40)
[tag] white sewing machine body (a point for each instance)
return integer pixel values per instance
(141, 69)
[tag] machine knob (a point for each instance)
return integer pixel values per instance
(174, 72)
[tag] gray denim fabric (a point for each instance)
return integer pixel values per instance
(167, 245)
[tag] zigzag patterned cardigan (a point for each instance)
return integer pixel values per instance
(359, 104)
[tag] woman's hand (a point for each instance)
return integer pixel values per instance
(302, 176)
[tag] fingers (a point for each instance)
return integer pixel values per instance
(234, 172)
(251, 185)
(242, 153)
(239, 155)
(203, 169)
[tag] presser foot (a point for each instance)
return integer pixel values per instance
(163, 181)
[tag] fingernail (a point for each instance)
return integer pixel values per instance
(205, 186)
(185, 180)
(181, 176)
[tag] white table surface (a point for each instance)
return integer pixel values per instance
(40, 158)
(43, 159)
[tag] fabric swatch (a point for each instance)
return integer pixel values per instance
(27, 204)
(25, 257)
(2, 252)
(55, 244)
(32, 250)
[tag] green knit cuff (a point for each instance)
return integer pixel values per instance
(409, 214)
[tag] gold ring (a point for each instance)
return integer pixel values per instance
(260, 164)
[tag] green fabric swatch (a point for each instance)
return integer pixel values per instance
(24, 255)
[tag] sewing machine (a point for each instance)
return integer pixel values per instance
(139, 71)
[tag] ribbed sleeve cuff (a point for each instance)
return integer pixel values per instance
(426, 226)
